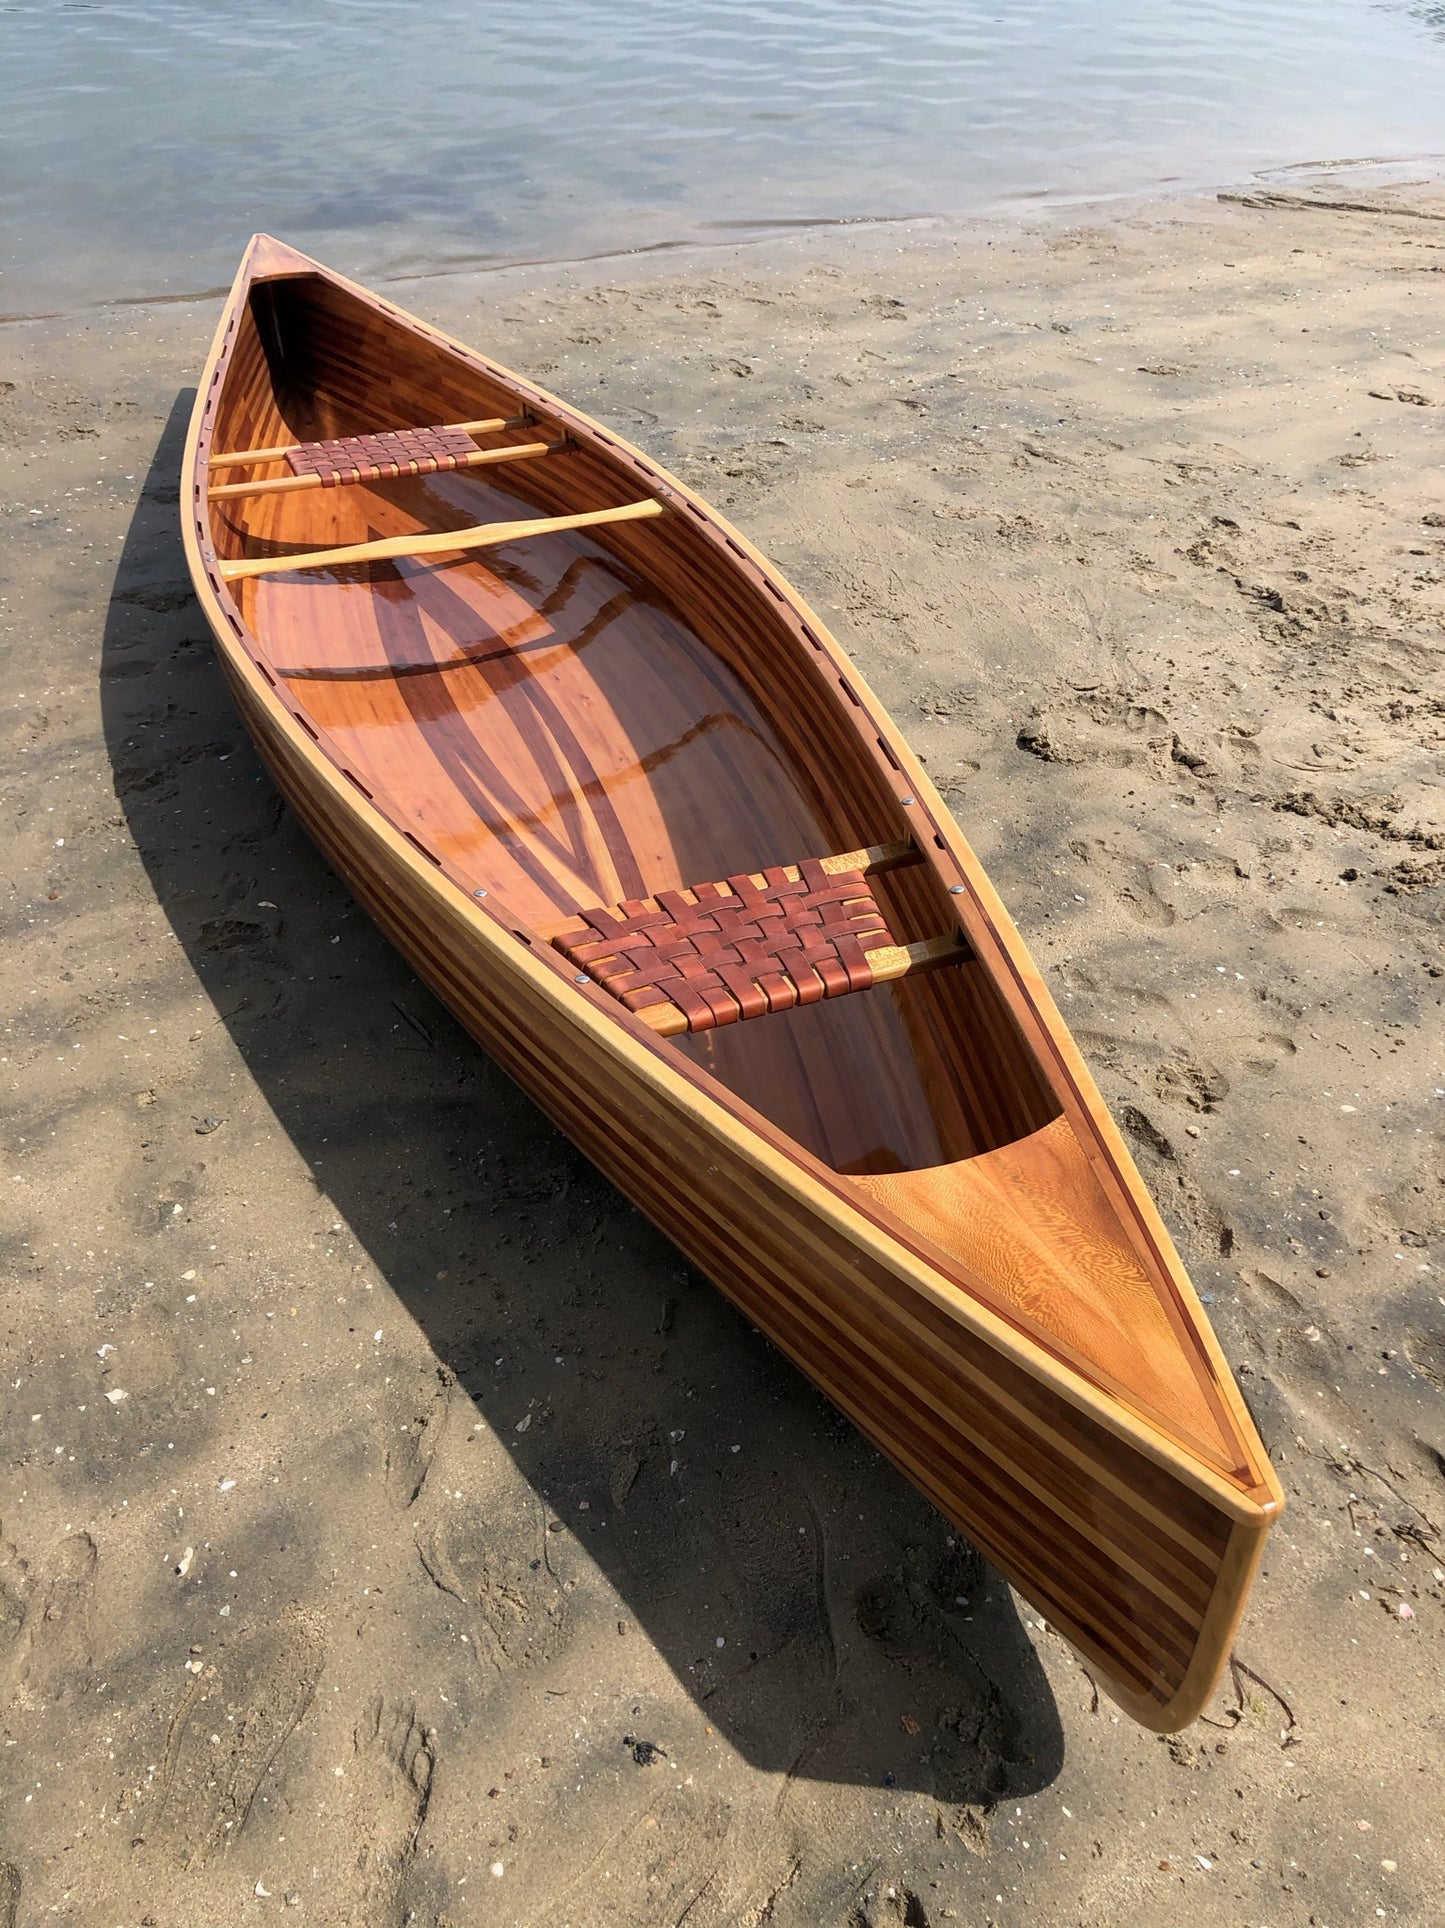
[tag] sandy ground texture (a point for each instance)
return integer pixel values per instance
(394, 1529)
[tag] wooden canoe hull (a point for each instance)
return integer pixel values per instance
(1143, 1573)
(1135, 1547)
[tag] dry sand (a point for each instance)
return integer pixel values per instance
(383, 1500)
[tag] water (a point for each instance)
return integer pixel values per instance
(141, 141)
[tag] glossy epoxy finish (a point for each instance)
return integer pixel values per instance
(550, 721)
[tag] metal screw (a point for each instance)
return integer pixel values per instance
(958, 890)
(579, 980)
(479, 893)
(908, 799)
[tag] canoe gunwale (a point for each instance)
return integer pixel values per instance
(1247, 1496)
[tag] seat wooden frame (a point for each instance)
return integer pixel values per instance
(384, 471)
(282, 451)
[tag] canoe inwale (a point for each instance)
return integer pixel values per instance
(914, 1188)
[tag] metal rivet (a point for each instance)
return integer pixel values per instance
(479, 893)
(580, 980)
(958, 890)
(908, 799)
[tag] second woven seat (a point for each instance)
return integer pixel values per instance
(726, 951)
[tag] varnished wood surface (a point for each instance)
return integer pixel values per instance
(915, 1189)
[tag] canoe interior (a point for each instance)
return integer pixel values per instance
(566, 725)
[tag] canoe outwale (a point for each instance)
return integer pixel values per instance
(625, 805)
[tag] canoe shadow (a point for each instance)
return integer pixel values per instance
(867, 1642)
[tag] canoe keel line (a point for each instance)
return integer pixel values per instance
(627, 808)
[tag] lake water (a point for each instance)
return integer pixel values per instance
(141, 141)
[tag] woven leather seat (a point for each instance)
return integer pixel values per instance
(737, 949)
(383, 457)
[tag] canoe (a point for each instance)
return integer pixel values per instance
(629, 810)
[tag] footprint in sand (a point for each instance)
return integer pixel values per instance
(1174, 1074)
(417, 1420)
(1426, 1353)
(55, 1640)
(226, 1733)
(391, 1783)
(504, 1576)
(911, 1618)
(12, 1611)
(775, 1546)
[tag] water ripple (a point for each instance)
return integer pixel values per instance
(142, 140)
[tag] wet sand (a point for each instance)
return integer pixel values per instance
(392, 1528)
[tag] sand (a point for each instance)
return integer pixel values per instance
(394, 1528)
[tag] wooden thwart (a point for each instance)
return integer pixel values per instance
(278, 484)
(890, 961)
(234, 457)
(484, 535)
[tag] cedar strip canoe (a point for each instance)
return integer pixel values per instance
(625, 805)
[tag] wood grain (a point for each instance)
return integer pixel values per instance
(914, 1189)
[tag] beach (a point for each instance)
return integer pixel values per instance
(1134, 515)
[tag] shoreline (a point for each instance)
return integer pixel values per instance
(1005, 214)
(1135, 519)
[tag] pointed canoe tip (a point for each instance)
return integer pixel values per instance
(267, 257)
(1273, 1503)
